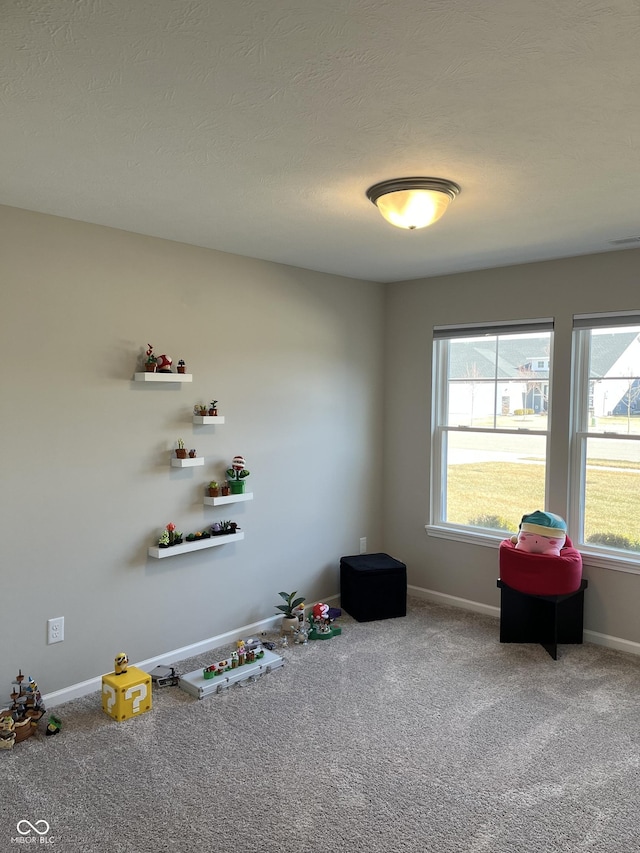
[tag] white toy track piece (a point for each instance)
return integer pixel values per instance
(197, 685)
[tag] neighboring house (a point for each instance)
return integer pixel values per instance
(615, 364)
(522, 381)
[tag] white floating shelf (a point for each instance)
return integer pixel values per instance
(228, 499)
(197, 545)
(208, 419)
(189, 462)
(163, 377)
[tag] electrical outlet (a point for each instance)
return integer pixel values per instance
(55, 630)
(363, 545)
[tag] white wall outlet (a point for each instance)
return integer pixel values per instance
(363, 545)
(55, 630)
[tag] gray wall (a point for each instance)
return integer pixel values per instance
(312, 373)
(295, 359)
(605, 282)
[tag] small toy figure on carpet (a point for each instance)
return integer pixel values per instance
(54, 725)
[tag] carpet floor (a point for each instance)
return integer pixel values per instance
(422, 733)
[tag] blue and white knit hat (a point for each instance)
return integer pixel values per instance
(543, 523)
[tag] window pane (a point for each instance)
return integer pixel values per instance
(614, 381)
(499, 382)
(612, 494)
(493, 480)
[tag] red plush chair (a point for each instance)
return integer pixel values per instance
(541, 574)
(541, 599)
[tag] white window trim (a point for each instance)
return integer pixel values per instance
(601, 558)
(590, 555)
(439, 434)
(608, 559)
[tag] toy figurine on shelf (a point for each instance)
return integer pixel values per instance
(181, 366)
(322, 627)
(121, 663)
(151, 362)
(164, 364)
(236, 475)
(170, 536)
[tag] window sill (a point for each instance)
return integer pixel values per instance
(597, 559)
(489, 540)
(614, 562)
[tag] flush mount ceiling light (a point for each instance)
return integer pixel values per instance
(413, 202)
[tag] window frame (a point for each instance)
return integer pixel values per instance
(440, 430)
(583, 324)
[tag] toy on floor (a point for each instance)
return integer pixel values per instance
(292, 611)
(164, 676)
(121, 663)
(25, 711)
(541, 533)
(322, 627)
(301, 635)
(126, 692)
(245, 665)
(7, 731)
(53, 726)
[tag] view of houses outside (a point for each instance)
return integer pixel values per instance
(495, 446)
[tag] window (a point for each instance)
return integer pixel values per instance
(605, 477)
(491, 413)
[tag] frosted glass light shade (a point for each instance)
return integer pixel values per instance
(413, 203)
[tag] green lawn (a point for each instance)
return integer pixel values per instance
(511, 490)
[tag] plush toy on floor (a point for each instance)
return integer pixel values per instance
(321, 622)
(541, 533)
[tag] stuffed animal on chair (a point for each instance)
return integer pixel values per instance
(541, 533)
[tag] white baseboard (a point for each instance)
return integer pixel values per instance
(612, 642)
(594, 637)
(83, 688)
(453, 601)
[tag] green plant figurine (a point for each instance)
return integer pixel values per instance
(292, 611)
(236, 475)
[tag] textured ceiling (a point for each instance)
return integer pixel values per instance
(256, 126)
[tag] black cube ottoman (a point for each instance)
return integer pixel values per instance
(373, 586)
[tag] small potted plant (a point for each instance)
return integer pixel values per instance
(213, 408)
(181, 452)
(290, 621)
(151, 362)
(236, 474)
(214, 489)
(224, 489)
(181, 366)
(163, 539)
(173, 536)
